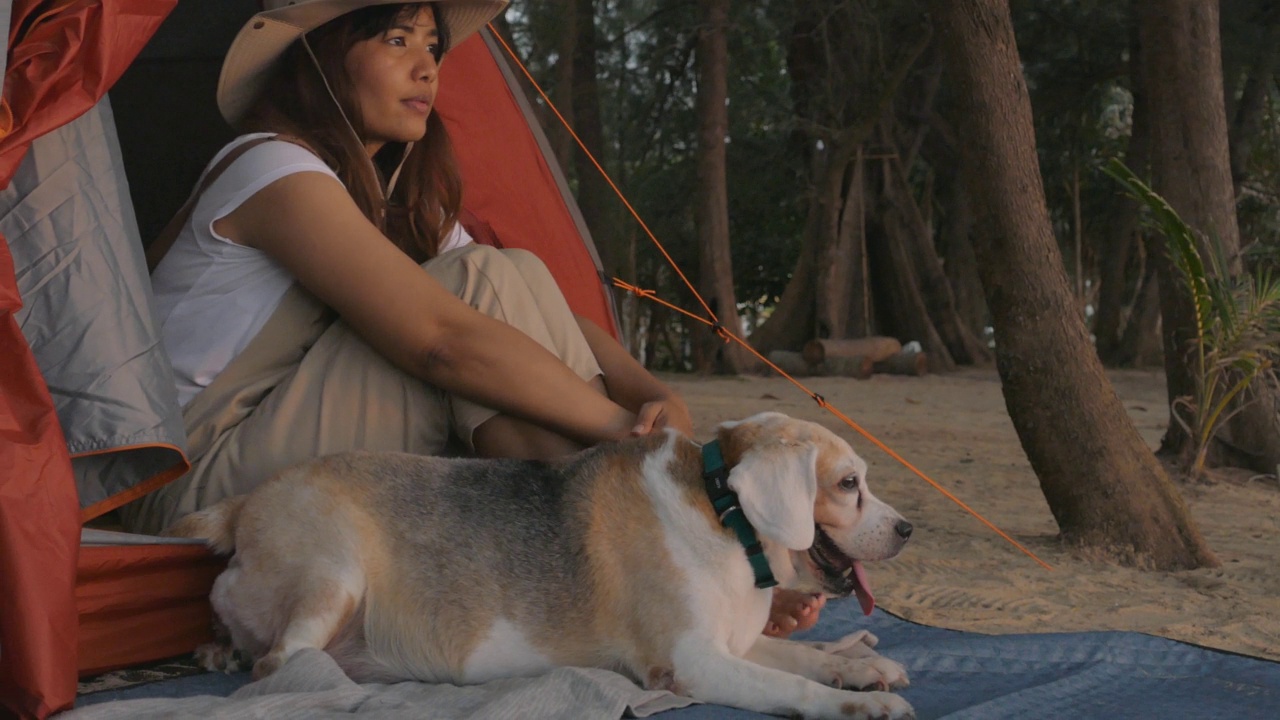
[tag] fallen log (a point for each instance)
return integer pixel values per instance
(859, 367)
(904, 363)
(876, 348)
(793, 363)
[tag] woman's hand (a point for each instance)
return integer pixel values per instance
(633, 387)
(667, 412)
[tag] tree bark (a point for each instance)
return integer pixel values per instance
(562, 143)
(838, 133)
(842, 284)
(1141, 344)
(1120, 240)
(595, 200)
(1248, 115)
(716, 262)
(1105, 488)
(956, 241)
(960, 344)
(1191, 169)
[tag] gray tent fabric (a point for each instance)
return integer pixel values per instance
(6, 12)
(88, 311)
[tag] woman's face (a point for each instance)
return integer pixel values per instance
(394, 76)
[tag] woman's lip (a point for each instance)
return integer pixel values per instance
(418, 105)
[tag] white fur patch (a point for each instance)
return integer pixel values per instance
(505, 652)
(718, 580)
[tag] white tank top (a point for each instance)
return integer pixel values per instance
(214, 295)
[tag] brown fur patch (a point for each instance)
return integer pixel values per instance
(638, 607)
(663, 678)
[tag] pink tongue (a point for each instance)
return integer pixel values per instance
(862, 589)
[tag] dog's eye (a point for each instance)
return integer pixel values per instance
(849, 483)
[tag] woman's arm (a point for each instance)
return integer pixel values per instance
(633, 387)
(309, 224)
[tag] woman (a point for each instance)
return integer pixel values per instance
(342, 192)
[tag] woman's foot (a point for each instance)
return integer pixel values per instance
(792, 611)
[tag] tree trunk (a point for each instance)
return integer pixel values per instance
(1248, 115)
(716, 263)
(562, 143)
(960, 345)
(1140, 346)
(840, 134)
(1104, 487)
(901, 308)
(792, 322)
(594, 197)
(839, 277)
(1191, 169)
(959, 261)
(1120, 240)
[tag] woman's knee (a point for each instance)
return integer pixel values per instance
(536, 274)
(524, 260)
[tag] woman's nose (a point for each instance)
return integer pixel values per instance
(426, 65)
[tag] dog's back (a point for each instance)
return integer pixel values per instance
(462, 570)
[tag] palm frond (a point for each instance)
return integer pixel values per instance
(1237, 319)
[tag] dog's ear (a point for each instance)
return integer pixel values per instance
(776, 481)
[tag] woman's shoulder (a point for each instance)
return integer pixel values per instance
(245, 166)
(265, 152)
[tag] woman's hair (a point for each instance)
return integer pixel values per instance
(428, 192)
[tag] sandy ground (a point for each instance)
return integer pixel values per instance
(956, 573)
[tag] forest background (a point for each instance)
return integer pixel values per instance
(841, 130)
(934, 172)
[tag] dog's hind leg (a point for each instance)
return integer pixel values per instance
(221, 655)
(324, 605)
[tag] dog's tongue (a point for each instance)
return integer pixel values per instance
(862, 589)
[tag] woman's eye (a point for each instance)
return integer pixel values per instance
(397, 41)
(436, 52)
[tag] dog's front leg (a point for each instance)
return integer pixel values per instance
(829, 667)
(716, 676)
(860, 646)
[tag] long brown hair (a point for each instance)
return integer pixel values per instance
(428, 193)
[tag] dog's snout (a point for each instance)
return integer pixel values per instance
(903, 529)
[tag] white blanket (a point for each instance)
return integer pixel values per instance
(312, 687)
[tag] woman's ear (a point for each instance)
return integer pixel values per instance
(777, 484)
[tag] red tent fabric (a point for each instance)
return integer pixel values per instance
(63, 57)
(507, 179)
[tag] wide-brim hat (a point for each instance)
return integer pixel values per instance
(262, 40)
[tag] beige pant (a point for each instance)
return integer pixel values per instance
(285, 400)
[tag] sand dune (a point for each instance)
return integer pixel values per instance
(957, 573)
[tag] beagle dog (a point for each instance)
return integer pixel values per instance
(406, 567)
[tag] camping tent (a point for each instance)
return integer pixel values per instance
(69, 220)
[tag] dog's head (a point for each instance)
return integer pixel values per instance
(805, 492)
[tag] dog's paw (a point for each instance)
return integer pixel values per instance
(877, 706)
(268, 664)
(221, 657)
(853, 645)
(873, 673)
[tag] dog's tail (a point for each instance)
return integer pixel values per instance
(215, 525)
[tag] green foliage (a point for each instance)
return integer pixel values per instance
(1237, 333)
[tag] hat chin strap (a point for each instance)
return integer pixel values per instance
(395, 175)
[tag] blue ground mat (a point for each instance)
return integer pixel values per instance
(955, 675)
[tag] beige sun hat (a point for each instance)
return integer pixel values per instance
(262, 40)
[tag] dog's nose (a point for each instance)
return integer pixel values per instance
(903, 528)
